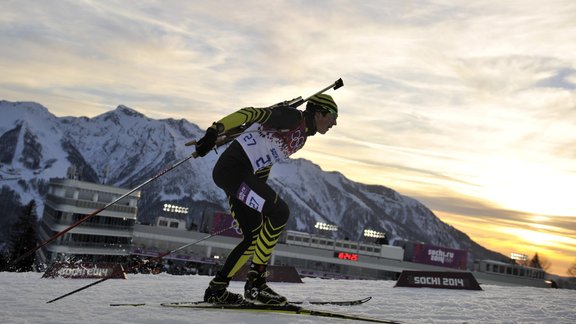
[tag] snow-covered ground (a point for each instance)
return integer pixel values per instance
(23, 299)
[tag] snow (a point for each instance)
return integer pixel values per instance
(23, 299)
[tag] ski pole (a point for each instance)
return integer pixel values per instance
(139, 265)
(96, 212)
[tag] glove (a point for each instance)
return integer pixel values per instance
(206, 143)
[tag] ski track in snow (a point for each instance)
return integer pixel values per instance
(23, 298)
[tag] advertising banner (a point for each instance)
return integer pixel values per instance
(440, 256)
(84, 270)
(438, 279)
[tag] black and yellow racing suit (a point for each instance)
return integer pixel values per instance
(242, 171)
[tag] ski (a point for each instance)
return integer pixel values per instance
(129, 304)
(312, 302)
(284, 309)
(334, 302)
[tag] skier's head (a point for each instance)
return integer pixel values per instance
(324, 110)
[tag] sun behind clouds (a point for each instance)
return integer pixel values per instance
(528, 187)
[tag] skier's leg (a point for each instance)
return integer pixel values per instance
(250, 223)
(257, 193)
(252, 201)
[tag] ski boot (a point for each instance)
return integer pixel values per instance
(216, 293)
(257, 291)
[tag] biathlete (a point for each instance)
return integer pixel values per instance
(273, 135)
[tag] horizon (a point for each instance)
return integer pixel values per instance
(466, 107)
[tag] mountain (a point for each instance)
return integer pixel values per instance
(124, 148)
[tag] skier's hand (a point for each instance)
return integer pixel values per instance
(206, 143)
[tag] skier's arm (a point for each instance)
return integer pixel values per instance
(241, 117)
(283, 117)
(236, 119)
(280, 117)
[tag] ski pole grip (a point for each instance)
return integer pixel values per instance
(192, 142)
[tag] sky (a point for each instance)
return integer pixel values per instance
(467, 106)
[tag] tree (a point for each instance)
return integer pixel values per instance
(539, 262)
(23, 238)
(3, 256)
(572, 270)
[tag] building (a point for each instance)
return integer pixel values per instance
(311, 255)
(113, 235)
(105, 237)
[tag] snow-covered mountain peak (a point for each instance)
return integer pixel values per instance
(29, 114)
(129, 112)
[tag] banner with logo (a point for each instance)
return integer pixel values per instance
(440, 256)
(438, 279)
(84, 270)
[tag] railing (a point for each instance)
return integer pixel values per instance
(49, 219)
(90, 204)
(105, 246)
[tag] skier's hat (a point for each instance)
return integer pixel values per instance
(322, 103)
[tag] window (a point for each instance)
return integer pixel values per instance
(69, 193)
